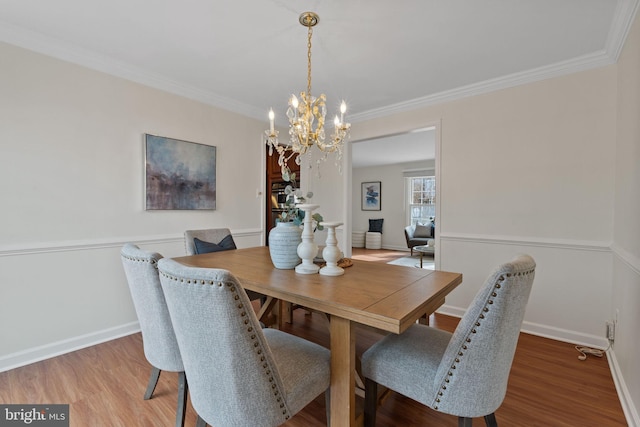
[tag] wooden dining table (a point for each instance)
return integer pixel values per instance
(383, 296)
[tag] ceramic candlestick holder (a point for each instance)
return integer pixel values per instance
(331, 252)
(307, 250)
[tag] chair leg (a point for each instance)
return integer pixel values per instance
(490, 420)
(370, 402)
(182, 399)
(153, 380)
(200, 422)
(465, 422)
(327, 403)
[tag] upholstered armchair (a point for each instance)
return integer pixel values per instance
(239, 374)
(465, 373)
(419, 235)
(158, 338)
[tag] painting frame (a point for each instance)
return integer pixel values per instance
(178, 174)
(371, 195)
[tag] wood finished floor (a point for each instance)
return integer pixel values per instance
(104, 385)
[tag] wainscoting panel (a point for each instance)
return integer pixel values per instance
(62, 296)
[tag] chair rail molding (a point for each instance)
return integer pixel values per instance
(115, 242)
(585, 245)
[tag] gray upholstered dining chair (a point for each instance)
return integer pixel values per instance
(212, 240)
(239, 374)
(465, 373)
(208, 240)
(158, 337)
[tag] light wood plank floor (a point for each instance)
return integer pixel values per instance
(104, 385)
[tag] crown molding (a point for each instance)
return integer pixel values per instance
(624, 15)
(40, 43)
(620, 27)
(582, 63)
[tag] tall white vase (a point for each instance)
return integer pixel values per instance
(331, 253)
(307, 250)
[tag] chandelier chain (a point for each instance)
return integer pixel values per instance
(309, 62)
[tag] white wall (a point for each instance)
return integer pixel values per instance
(72, 193)
(528, 169)
(393, 206)
(626, 237)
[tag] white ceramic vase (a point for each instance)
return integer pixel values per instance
(283, 245)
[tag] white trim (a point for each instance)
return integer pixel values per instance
(544, 331)
(632, 261)
(626, 401)
(584, 245)
(47, 351)
(582, 63)
(82, 245)
(38, 42)
(622, 20)
(621, 24)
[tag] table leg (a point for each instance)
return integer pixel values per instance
(421, 255)
(343, 357)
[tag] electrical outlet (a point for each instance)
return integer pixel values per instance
(611, 331)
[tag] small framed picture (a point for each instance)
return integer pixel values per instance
(371, 195)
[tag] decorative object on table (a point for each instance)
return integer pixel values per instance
(331, 253)
(307, 116)
(179, 175)
(307, 250)
(371, 196)
(294, 198)
(284, 239)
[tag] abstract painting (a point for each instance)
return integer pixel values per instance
(180, 175)
(371, 196)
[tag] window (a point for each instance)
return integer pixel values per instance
(422, 199)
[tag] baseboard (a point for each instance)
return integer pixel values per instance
(558, 334)
(629, 409)
(36, 354)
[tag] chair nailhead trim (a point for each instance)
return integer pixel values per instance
(151, 261)
(473, 330)
(252, 336)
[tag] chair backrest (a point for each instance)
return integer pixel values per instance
(158, 337)
(211, 235)
(472, 377)
(233, 380)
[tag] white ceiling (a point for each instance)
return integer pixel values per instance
(380, 56)
(392, 149)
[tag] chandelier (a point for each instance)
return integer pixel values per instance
(306, 118)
